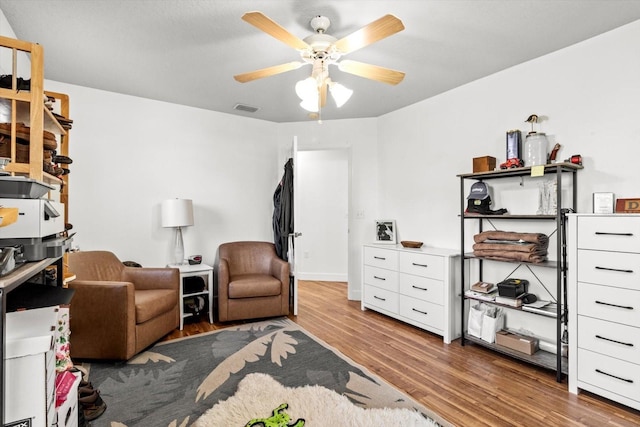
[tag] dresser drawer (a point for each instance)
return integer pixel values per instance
(381, 278)
(619, 233)
(422, 288)
(422, 265)
(607, 303)
(383, 258)
(610, 339)
(422, 311)
(613, 375)
(609, 268)
(381, 298)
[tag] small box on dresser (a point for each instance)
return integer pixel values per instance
(414, 285)
(604, 305)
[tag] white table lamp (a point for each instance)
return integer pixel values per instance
(177, 213)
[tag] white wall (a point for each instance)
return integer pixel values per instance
(130, 154)
(324, 208)
(590, 94)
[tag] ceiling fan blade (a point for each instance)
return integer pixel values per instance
(371, 33)
(266, 24)
(373, 72)
(268, 72)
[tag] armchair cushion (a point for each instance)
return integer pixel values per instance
(254, 285)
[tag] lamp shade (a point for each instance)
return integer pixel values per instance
(177, 213)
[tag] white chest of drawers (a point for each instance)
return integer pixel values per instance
(416, 286)
(604, 306)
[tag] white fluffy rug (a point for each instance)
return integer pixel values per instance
(259, 394)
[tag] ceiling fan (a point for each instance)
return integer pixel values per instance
(321, 50)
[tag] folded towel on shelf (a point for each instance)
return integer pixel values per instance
(511, 246)
(511, 236)
(506, 255)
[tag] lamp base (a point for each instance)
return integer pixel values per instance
(178, 250)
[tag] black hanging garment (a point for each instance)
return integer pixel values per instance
(283, 211)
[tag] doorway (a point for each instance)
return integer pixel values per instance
(323, 189)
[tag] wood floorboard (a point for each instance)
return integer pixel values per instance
(467, 385)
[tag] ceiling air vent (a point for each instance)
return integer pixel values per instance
(244, 107)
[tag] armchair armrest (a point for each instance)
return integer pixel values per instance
(102, 318)
(152, 278)
(222, 275)
(279, 269)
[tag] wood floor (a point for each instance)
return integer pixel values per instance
(468, 386)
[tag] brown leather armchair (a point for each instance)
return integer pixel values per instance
(252, 282)
(118, 311)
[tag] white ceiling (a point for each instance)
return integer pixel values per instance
(187, 51)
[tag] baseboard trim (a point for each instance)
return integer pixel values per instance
(323, 277)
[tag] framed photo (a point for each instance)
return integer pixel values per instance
(385, 231)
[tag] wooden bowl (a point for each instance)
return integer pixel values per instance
(411, 244)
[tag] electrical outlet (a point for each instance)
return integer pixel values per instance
(360, 214)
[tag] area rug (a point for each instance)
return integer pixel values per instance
(174, 383)
(262, 397)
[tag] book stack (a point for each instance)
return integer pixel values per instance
(483, 287)
(483, 291)
(491, 296)
(513, 302)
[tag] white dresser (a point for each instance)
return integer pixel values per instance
(416, 286)
(604, 305)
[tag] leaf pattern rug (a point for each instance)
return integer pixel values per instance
(173, 383)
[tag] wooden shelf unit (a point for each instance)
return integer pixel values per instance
(28, 107)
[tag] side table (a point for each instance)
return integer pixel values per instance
(188, 270)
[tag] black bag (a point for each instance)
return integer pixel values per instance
(196, 305)
(192, 284)
(479, 201)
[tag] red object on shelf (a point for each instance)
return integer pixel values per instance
(64, 382)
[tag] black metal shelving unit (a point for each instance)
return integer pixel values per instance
(541, 358)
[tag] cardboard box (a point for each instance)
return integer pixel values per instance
(517, 342)
(484, 164)
(30, 366)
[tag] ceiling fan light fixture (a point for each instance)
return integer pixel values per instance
(310, 104)
(307, 88)
(340, 93)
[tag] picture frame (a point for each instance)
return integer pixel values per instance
(385, 232)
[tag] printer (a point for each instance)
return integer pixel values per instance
(38, 230)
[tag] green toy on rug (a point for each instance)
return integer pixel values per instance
(278, 418)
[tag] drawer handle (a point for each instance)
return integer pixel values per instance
(380, 258)
(603, 233)
(418, 311)
(614, 269)
(614, 376)
(379, 278)
(419, 288)
(626, 307)
(381, 299)
(628, 344)
(419, 265)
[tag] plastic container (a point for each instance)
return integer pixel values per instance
(535, 149)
